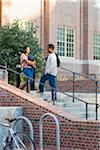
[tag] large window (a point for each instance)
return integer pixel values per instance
(66, 42)
(96, 3)
(97, 46)
(29, 26)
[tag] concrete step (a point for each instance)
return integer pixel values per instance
(70, 104)
(77, 108)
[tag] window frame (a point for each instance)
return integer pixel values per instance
(27, 28)
(96, 47)
(97, 3)
(65, 47)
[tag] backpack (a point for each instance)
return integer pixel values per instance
(58, 60)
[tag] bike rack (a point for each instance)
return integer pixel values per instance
(29, 124)
(57, 130)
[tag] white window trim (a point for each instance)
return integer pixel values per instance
(97, 3)
(66, 42)
(28, 21)
(96, 46)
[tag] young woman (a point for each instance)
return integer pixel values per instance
(27, 66)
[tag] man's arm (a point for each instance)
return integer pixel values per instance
(31, 63)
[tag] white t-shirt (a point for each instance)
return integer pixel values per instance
(51, 64)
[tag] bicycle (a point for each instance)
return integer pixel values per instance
(16, 140)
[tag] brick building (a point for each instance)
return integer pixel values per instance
(73, 26)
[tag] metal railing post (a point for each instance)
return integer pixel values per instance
(53, 95)
(30, 127)
(96, 111)
(57, 130)
(96, 101)
(73, 87)
(86, 111)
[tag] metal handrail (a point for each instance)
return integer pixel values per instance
(96, 89)
(57, 130)
(77, 98)
(86, 103)
(17, 73)
(9, 69)
(96, 104)
(77, 73)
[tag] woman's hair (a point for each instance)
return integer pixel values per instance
(24, 49)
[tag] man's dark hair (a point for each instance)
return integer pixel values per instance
(51, 46)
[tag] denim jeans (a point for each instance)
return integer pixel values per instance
(34, 73)
(29, 73)
(18, 77)
(52, 82)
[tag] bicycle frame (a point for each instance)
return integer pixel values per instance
(12, 133)
(11, 136)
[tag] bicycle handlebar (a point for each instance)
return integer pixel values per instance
(10, 120)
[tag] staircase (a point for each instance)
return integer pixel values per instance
(77, 108)
(65, 102)
(71, 129)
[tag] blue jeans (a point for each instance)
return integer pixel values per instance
(29, 73)
(34, 73)
(52, 82)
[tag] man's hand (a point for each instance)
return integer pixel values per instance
(34, 64)
(31, 63)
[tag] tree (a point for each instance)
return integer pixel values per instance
(12, 37)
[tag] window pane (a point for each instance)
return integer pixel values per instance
(65, 44)
(97, 46)
(70, 43)
(29, 26)
(61, 48)
(97, 3)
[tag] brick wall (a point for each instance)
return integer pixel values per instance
(83, 86)
(46, 24)
(75, 133)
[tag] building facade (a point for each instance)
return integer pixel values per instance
(73, 26)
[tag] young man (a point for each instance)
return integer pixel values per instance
(50, 72)
(26, 65)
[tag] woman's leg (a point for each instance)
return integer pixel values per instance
(31, 76)
(26, 72)
(34, 78)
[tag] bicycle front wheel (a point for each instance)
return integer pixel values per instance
(24, 141)
(21, 141)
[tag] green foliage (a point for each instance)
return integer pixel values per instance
(14, 36)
